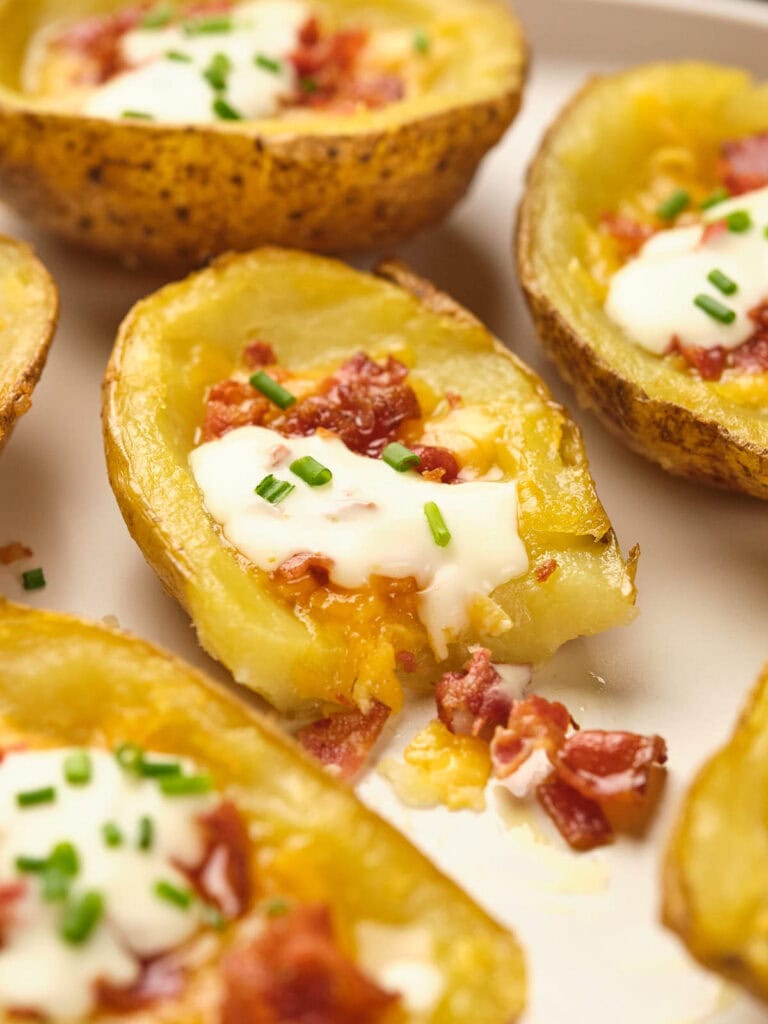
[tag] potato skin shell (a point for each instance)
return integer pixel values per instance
(674, 437)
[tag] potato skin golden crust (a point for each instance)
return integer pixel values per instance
(678, 435)
(28, 316)
(67, 682)
(173, 196)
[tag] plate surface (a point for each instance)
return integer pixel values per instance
(589, 922)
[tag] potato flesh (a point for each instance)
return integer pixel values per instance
(65, 682)
(190, 335)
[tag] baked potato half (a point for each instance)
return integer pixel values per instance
(174, 194)
(317, 312)
(715, 895)
(29, 305)
(626, 143)
(68, 683)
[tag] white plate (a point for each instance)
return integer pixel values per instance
(588, 922)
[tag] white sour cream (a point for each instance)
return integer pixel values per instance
(38, 969)
(401, 959)
(652, 296)
(369, 520)
(173, 90)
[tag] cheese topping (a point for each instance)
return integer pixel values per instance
(167, 77)
(652, 296)
(40, 970)
(370, 520)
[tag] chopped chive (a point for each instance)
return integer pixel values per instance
(129, 756)
(273, 490)
(81, 917)
(207, 26)
(765, 230)
(673, 205)
(267, 63)
(146, 833)
(33, 579)
(715, 309)
(32, 797)
(722, 282)
(276, 907)
(275, 392)
(158, 18)
(31, 865)
(181, 898)
(111, 834)
(65, 857)
(440, 532)
(217, 72)
(421, 42)
(718, 196)
(63, 864)
(224, 111)
(311, 471)
(158, 769)
(78, 768)
(738, 221)
(182, 58)
(185, 785)
(138, 115)
(213, 917)
(399, 457)
(308, 85)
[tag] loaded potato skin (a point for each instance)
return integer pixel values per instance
(28, 313)
(174, 195)
(625, 143)
(65, 683)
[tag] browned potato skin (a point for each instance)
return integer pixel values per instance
(173, 196)
(714, 882)
(25, 339)
(680, 440)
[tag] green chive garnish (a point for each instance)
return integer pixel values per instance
(739, 221)
(217, 72)
(276, 908)
(421, 42)
(78, 768)
(111, 834)
(158, 769)
(399, 457)
(32, 797)
(181, 898)
(65, 857)
(673, 205)
(146, 833)
(213, 917)
(224, 111)
(267, 63)
(129, 756)
(33, 579)
(308, 85)
(440, 532)
(138, 115)
(269, 387)
(81, 917)
(765, 230)
(62, 866)
(31, 865)
(186, 785)
(156, 19)
(311, 471)
(207, 26)
(722, 282)
(718, 196)
(273, 490)
(715, 309)
(182, 58)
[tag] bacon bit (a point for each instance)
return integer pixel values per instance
(611, 766)
(475, 701)
(545, 570)
(224, 875)
(14, 552)
(278, 455)
(230, 404)
(259, 353)
(407, 661)
(628, 233)
(534, 724)
(436, 463)
(749, 357)
(743, 163)
(304, 565)
(159, 979)
(10, 894)
(454, 399)
(709, 363)
(295, 973)
(580, 821)
(713, 231)
(98, 38)
(343, 741)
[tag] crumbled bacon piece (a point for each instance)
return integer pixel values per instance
(629, 234)
(437, 463)
(545, 570)
(230, 404)
(303, 565)
(580, 821)
(475, 701)
(224, 875)
(749, 357)
(295, 973)
(713, 231)
(407, 661)
(533, 724)
(344, 740)
(14, 552)
(364, 403)
(709, 363)
(159, 979)
(99, 38)
(10, 894)
(743, 163)
(607, 766)
(259, 353)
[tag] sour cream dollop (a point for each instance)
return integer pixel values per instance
(652, 296)
(369, 520)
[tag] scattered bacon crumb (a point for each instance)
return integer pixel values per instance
(545, 570)
(303, 565)
(224, 875)
(533, 724)
(709, 363)
(628, 233)
(10, 894)
(580, 821)
(713, 231)
(607, 766)
(454, 399)
(743, 163)
(295, 973)
(749, 357)
(259, 353)
(344, 740)
(14, 552)
(230, 404)
(473, 702)
(407, 661)
(436, 463)
(160, 979)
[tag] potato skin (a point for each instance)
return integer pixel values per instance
(173, 196)
(29, 310)
(689, 438)
(64, 681)
(714, 888)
